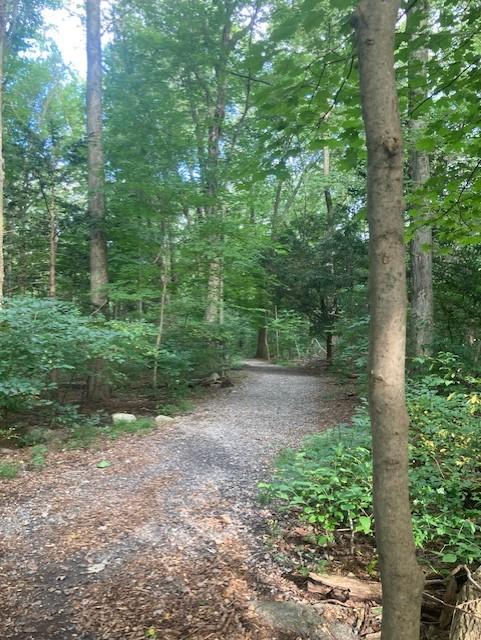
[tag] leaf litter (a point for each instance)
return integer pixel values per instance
(170, 542)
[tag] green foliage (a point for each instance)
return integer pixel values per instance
(447, 370)
(289, 336)
(41, 340)
(37, 456)
(103, 464)
(352, 343)
(8, 470)
(84, 433)
(118, 429)
(172, 409)
(329, 480)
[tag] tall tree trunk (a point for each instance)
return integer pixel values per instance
(97, 389)
(331, 301)
(52, 287)
(262, 344)
(215, 286)
(96, 196)
(421, 251)
(276, 208)
(213, 311)
(401, 576)
(3, 35)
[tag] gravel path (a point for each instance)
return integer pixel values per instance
(169, 541)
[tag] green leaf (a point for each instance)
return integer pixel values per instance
(103, 464)
(449, 558)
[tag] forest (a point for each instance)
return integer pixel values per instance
(292, 181)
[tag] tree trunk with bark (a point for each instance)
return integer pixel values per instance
(421, 251)
(52, 276)
(96, 180)
(466, 624)
(331, 301)
(3, 35)
(215, 287)
(262, 352)
(401, 576)
(214, 310)
(97, 389)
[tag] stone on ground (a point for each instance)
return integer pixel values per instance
(123, 417)
(159, 420)
(303, 620)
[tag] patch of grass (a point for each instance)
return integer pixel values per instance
(142, 425)
(35, 437)
(82, 436)
(8, 470)
(174, 408)
(37, 456)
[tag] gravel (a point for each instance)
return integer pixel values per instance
(170, 539)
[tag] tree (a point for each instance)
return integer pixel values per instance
(401, 576)
(96, 197)
(3, 35)
(421, 244)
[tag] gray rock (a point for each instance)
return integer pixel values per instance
(160, 420)
(123, 417)
(303, 620)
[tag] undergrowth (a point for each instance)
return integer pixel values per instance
(8, 470)
(328, 481)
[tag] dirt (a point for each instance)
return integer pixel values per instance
(170, 540)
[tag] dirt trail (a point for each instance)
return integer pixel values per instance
(169, 541)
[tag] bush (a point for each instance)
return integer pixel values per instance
(328, 482)
(41, 341)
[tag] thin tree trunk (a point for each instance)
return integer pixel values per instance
(214, 312)
(331, 301)
(160, 331)
(401, 576)
(52, 289)
(97, 389)
(278, 350)
(3, 25)
(96, 196)
(421, 251)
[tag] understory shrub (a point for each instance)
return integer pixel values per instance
(328, 482)
(43, 341)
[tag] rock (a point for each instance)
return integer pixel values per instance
(160, 420)
(123, 417)
(303, 620)
(213, 379)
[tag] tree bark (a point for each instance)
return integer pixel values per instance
(331, 301)
(401, 576)
(262, 352)
(3, 35)
(214, 311)
(97, 389)
(466, 624)
(96, 180)
(421, 251)
(52, 276)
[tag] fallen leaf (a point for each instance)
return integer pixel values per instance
(103, 464)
